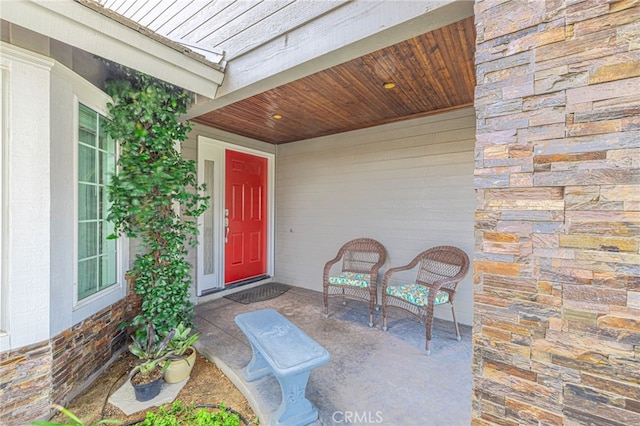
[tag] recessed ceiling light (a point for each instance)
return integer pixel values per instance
(389, 85)
(277, 116)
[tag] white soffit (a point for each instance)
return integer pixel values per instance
(79, 26)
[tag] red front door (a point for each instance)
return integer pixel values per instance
(245, 216)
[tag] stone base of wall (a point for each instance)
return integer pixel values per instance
(86, 348)
(26, 384)
(55, 371)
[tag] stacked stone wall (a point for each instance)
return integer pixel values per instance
(25, 384)
(84, 349)
(54, 371)
(557, 263)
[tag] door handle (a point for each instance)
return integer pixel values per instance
(226, 228)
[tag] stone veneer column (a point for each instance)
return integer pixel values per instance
(557, 264)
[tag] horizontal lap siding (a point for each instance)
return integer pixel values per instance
(408, 185)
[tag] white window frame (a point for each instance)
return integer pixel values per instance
(116, 285)
(115, 290)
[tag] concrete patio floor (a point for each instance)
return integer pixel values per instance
(373, 377)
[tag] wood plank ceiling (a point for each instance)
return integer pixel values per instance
(432, 73)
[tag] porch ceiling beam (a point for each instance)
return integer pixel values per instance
(79, 26)
(344, 33)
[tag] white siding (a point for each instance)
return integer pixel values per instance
(409, 185)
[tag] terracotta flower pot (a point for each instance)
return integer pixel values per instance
(180, 369)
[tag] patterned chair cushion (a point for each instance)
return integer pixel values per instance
(350, 278)
(416, 294)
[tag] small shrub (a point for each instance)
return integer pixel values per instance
(179, 414)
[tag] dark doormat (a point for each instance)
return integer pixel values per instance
(259, 293)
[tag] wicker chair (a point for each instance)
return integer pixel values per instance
(439, 271)
(357, 278)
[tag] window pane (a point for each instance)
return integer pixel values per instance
(88, 118)
(87, 137)
(105, 142)
(105, 204)
(107, 167)
(87, 277)
(87, 209)
(108, 270)
(87, 239)
(86, 164)
(208, 254)
(88, 126)
(106, 229)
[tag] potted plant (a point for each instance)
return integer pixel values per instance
(155, 196)
(146, 377)
(183, 354)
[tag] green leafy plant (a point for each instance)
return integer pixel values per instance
(176, 414)
(152, 354)
(73, 420)
(182, 340)
(190, 415)
(155, 196)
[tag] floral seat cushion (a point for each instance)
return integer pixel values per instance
(350, 278)
(416, 294)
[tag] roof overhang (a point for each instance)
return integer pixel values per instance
(80, 26)
(342, 34)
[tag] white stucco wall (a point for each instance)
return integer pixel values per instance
(40, 180)
(409, 185)
(26, 260)
(63, 182)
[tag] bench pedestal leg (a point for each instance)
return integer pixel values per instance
(257, 367)
(295, 408)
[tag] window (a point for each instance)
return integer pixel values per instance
(97, 267)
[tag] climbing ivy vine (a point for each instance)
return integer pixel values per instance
(155, 196)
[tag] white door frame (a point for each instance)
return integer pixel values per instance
(214, 150)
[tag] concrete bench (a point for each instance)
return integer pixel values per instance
(282, 349)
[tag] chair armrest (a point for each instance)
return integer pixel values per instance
(374, 270)
(391, 271)
(328, 265)
(438, 285)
